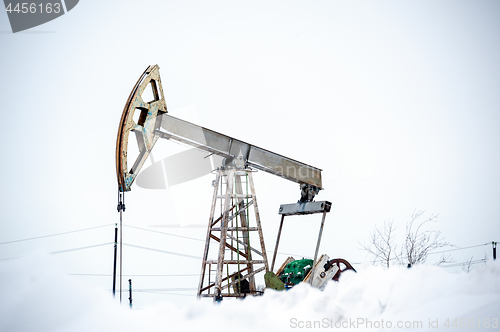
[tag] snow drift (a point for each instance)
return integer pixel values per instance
(39, 296)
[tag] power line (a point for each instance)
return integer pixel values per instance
(440, 252)
(167, 293)
(44, 236)
(162, 251)
(143, 229)
(63, 251)
(159, 290)
(289, 254)
(145, 290)
(80, 248)
(164, 233)
(133, 275)
(478, 261)
(431, 253)
(195, 239)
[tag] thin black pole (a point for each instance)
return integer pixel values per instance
(114, 264)
(130, 292)
(494, 250)
(121, 208)
(121, 254)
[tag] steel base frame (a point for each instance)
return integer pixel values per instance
(235, 265)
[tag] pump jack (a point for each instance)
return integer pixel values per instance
(232, 228)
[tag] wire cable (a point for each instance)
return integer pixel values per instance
(44, 236)
(478, 261)
(440, 252)
(162, 251)
(80, 248)
(431, 253)
(167, 293)
(181, 236)
(145, 290)
(63, 251)
(133, 275)
(195, 239)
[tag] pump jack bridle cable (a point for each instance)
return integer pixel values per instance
(121, 208)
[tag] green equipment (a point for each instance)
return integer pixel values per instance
(296, 271)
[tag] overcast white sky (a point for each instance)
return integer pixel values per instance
(397, 102)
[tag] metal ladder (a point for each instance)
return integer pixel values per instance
(232, 224)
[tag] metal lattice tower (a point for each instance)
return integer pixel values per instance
(235, 265)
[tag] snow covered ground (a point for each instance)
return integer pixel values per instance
(38, 295)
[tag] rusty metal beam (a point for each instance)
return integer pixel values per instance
(243, 229)
(224, 279)
(244, 244)
(249, 275)
(229, 246)
(231, 210)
